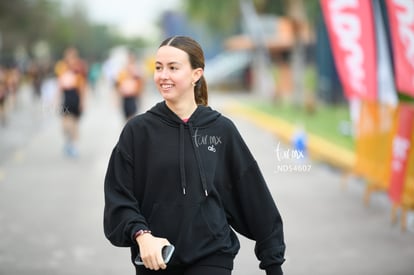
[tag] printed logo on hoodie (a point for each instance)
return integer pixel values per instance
(207, 140)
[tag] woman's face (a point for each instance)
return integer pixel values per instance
(173, 74)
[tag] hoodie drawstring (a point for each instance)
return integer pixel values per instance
(198, 158)
(182, 167)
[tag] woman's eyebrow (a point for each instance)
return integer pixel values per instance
(169, 63)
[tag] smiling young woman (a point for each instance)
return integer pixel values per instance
(181, 174)
(179, 77)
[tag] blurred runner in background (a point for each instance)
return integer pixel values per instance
(13, 78)
(3, 96)
(130, 85)
(71, 72)
(9, 85)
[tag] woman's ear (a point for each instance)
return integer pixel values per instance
(197, 74)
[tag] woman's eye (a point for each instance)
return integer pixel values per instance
(173, 68)
(158, 68)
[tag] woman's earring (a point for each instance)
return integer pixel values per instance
(194, 83)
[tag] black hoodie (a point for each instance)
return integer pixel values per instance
(191, 183)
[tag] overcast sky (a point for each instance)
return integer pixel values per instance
(131, 16)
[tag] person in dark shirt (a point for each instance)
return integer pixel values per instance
(181, 174)
(130, 85)
(71, 73)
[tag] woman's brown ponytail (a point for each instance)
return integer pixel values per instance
(200, 92)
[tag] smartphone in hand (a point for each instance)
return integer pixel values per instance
(166, 252)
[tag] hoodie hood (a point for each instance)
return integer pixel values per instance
(202, 117)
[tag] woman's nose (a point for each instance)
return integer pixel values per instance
(164, 74)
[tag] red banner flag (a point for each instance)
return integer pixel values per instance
(400, 151)
(351, 33)
(401, 17)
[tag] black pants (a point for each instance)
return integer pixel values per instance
(129, 106)
(192, 270)
(71, 103)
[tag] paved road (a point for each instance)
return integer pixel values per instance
(51, 207)
(24, 118)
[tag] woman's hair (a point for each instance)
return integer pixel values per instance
(196, 55)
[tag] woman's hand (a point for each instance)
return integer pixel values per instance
(150, 251)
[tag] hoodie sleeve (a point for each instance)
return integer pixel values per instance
(251, 209)
(122, 217)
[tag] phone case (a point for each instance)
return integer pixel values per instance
(167, 252)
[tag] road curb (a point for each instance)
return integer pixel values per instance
(318, 148)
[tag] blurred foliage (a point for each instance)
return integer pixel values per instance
(225, 17)
(25, 23)
(281, 7)
(405, 98)
(218, 15)
(277, 7)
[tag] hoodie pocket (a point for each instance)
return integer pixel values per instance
(206, 233)
(164, 220)
(214, 218)
(189, 224)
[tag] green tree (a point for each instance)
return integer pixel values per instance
(220, 16)
(16, 22)
(23, 24)
(224, 16)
